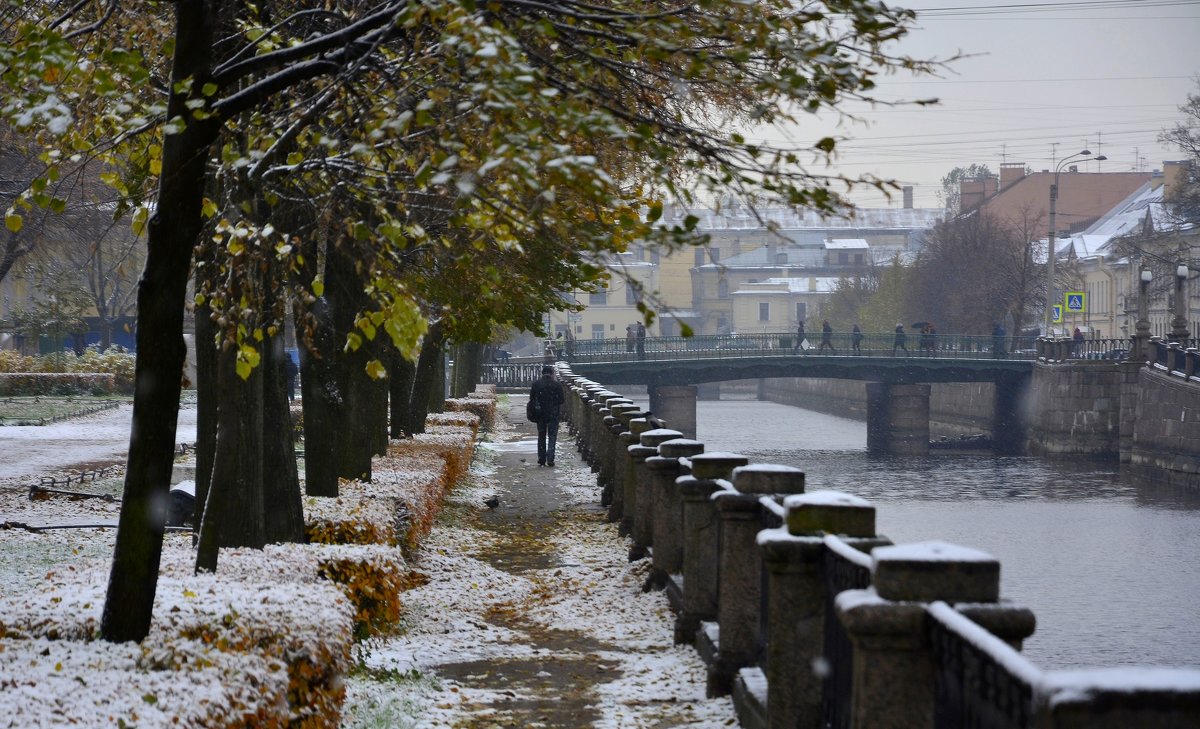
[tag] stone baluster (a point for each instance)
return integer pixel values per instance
(643, 514)
(635, 455)
(610, 429)
(701, 535)
(1189, 362)
(619, 440)
(665, 468)
(794, 556)
(893, 685)
(740, 568)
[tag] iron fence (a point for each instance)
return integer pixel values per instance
(778, 344)
(846, 568)
(980, 682)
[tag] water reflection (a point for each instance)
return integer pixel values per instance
(1109, 565)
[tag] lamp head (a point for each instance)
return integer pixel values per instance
(1084, 152)
(1146, 275)
(1181, 271)
(1101, 158)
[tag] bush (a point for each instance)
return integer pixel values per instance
(115, 361)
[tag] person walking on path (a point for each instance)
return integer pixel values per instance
(826, 337)
(998, 334)
(547, 392)
(630, 338)
(856, 337)
(900, 340)
(290, 372)
(641, 340)
(800, 337)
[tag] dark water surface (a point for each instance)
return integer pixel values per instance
(1111, 569)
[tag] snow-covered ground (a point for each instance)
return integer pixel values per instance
(28, 451)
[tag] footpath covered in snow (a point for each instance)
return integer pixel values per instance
(532, 615)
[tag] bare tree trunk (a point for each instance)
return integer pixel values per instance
(468, 364)
(426, 384)
(284, 508)
(233, 510)
(173, 231)
(400, 385)
(322, 402)
(206, 405)
(344, 289)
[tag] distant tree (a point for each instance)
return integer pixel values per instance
(889, 304)
(973, 271)
(950, 194)
(1185, 135)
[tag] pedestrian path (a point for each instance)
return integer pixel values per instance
(532, 615)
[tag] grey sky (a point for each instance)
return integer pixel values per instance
(1106, 75)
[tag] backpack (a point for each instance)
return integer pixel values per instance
(533, 409)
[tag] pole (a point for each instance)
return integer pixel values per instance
(1179, 325)
(1050, 256)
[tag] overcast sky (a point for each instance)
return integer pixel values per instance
(1046, 79)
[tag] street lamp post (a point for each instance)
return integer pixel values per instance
(1050, 253)
(1141, 335)
(1179, 325)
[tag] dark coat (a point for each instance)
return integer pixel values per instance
(549, 393)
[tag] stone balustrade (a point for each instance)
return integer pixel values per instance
(812, 619)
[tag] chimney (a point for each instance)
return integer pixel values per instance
(972, 193)
(1011, 173)
(1175, 175)
(907, 191)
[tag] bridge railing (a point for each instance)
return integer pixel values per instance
(511, 375)
(1181, 359)
(1063, 349)
(841, 344)
(858, 632)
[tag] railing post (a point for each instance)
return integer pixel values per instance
(893, 684)
(614, 460)
(701, 532)
(1189, 359)
(644, 486)
(740, 568)
(635, 460)
(665, 468)
(794, 557)
(622, 466)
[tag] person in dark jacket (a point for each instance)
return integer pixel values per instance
(291, 372)
(549, 394)
(826, 337)
(900, 340)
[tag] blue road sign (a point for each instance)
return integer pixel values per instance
(1076, 301)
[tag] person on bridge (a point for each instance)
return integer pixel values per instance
(900, 340)
(641, 340)
(1076, 342)
(826, 337)
(630, 338)
(548, 393)
(998, 335)
(856, 337)
(801, 338)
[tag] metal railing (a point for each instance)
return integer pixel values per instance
(776, 344)
(846, 568)
(511, 375)
(1181, 359)
(980, 682)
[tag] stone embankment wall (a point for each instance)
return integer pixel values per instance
(954, 409)
(1075, 408)
(1164, 428)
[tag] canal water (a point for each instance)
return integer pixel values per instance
(1111, 569)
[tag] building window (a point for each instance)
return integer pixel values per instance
(843, 258)
(858, 259)
(597, 331)
(598, 298)
(722, 289)
(764, 311)
(801, 311)
(631, 294)
(699, 253)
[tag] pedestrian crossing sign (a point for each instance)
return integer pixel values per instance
(1056, 314)
(1076, 302)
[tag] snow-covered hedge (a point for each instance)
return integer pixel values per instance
(264, 642)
